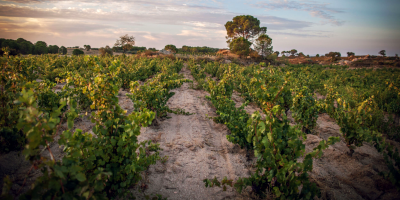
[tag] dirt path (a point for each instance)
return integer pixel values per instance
(197, 149)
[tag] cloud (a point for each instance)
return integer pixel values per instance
(320, 10)
(204, 19)
(278, 23)
(299, 34)
(100, 22)
(50, 26)
(191, 33)
(150, 37)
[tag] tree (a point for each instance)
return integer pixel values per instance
(277, 53)
(245, 26)
(171, 47)
(62, 50)
(87, 47)
(293, 52)
(185, 48)
(383, 53)
(317, 55)
(104, 51)
(53, 49)
(240, 46)
(126, 42)
(77, 52)
(152, 49)
(20, 40)
(334, 56)
(1, 41)
(263, 45)
(301, 54)
(26, 47)
(350, 54)
(11, 44)
(40, 48)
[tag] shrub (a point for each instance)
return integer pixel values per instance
(334, 56)
(171, 47)
(77, 52)
(149, 53)
(349, 54)
(105, 51)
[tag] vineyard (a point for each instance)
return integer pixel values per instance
(89, 127)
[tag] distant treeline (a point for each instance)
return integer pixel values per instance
(134, 49)
(197, 49)
(22, 46)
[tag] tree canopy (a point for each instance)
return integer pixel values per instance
(382, 52)
(240, 46)
(334, 56)
(293, 52)
(62, 50)
(171, 47)
(87, 47)
(126, 42)
(77, 52)
(53, 49)
(350, 54)
(245, 26)
(263, 45)
(40, 48)
(104, 51)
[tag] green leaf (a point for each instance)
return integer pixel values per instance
(277, 192)
(70, 123)
(81, 177)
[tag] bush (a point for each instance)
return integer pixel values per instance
(149, 53)
(271, 58)
(254, 55)
(171, 47)
(334, 56)
(105, 51)
(77, 52)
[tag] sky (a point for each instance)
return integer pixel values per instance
(312, 27)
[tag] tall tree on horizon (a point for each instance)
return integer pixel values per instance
(383, 53)
(245, 26)
(126, 42)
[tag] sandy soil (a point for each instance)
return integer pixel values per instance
(197, 148)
